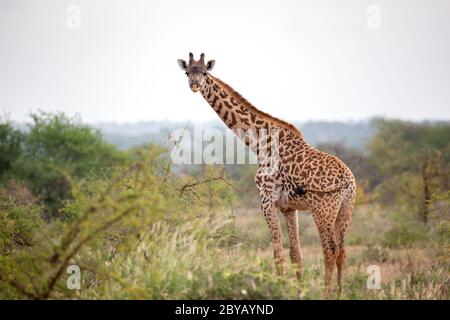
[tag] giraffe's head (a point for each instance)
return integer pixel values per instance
(196, 71)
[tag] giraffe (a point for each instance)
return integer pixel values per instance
(304, 177)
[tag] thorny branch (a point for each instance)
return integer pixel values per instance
(222, 177)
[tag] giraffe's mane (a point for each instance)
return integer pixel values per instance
(236, 95)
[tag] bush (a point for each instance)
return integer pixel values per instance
(20, 219)
(58, 147)
(10, 146)
(405, 232)
(122, 230)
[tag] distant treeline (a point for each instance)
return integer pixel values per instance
(354, 134)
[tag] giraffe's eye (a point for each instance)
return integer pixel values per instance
(187, 73)
(205, 74)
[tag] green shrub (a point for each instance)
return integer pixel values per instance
(405, 233)
(19, 225)
(10, 146)
(57, 147)
(120, 229)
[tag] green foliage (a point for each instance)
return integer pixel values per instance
(10, 146)
(19, 225)
(397, 144)
(440, 205)
(413, 161)
(405, 232)
(137, 230)
(57, 147)
(109, 221)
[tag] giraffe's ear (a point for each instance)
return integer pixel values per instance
(210, 65)
(182, 64)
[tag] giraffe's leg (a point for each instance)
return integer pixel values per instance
(269, 193)
(271, 216)
(294, 241)
(340, 229)
(342, 222)
(324, 219)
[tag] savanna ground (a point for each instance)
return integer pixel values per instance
(137, 230)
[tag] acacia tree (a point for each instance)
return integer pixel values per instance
(412, 160)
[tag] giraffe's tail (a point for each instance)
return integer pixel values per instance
(336, 187)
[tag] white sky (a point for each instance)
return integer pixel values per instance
(298, 60)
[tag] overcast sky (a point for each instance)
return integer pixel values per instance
(298, 60)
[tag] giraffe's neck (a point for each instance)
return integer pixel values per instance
(238, 114)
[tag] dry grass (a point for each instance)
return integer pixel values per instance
(198, 246)
(417, 272)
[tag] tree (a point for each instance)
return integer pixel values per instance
(413, 159)
(10, 146)
(58, 147)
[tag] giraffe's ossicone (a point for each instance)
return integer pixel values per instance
(294, 176)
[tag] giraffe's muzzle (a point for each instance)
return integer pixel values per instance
(195, 86)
